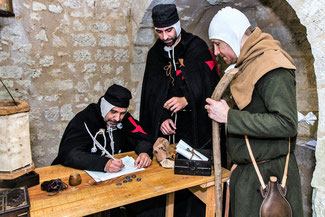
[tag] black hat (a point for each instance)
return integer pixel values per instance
(164, 15)
(118, 96)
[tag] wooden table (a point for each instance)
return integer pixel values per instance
(91, 197)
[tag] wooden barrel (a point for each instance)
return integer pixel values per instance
(15, 149)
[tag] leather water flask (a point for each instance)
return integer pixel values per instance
(274, 204)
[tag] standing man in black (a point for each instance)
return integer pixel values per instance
(180, 74)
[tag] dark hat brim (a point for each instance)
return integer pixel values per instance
(118, 96)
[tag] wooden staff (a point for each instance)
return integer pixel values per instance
(217, 94)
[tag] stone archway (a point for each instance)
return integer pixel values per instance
(310, 15)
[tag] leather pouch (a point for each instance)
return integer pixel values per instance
(274, 204)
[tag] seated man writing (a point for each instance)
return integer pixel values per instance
(109, 124)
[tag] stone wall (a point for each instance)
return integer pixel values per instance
(312, 16)
(61, 56)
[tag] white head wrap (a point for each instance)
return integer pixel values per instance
(229, 25)
(176, 26)
(105, 107)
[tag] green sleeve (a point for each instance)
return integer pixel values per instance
(272, 111)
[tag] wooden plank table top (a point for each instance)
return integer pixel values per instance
(91, 197)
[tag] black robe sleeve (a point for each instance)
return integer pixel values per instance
(76, 144)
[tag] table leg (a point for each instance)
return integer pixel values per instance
(170, 204)
(210, 209)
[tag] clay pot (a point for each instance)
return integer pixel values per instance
(74, 179)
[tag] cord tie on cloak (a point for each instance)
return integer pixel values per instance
(100, 131)
(94, 148)
(171, 55)
(168, 70)
(110, 129)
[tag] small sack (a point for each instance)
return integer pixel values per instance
(161, 149)
(274, 204)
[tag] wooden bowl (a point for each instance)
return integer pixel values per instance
(74, 179)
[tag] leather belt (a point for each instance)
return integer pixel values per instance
(250, 163)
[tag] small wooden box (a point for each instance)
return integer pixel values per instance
(14, 202)
(185, 166)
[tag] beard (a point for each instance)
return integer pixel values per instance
(170, 43)
(114, 125)
(111, 122)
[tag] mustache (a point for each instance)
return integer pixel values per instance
(168, 39)
(113, 121)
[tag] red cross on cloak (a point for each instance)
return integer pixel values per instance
(138, 128)
(212, 63)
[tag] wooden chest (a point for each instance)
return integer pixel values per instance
(185, 166)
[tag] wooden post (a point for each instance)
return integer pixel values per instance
(217, 94)
(170, 201)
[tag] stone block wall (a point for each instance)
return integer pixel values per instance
(312, 15)
(60, 56)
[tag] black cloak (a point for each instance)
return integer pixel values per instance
(76, 143)
(198, 68)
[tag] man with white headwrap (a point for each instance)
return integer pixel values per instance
(111, 125)
(265, 111)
